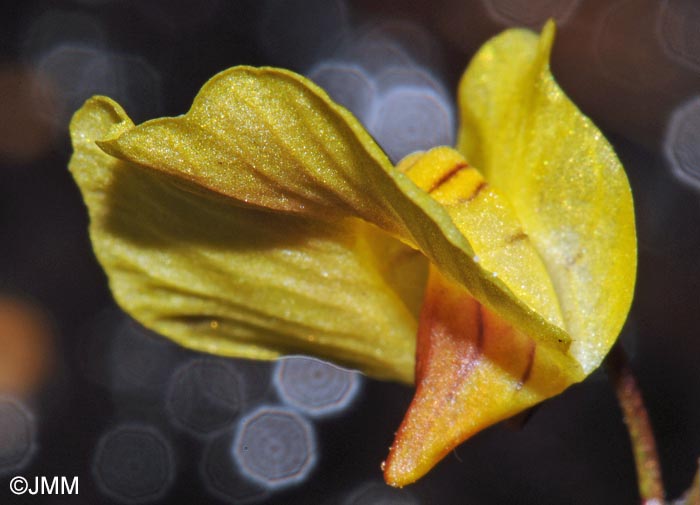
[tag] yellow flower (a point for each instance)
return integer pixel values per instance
(267, 221)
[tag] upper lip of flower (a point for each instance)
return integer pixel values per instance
(269, 210)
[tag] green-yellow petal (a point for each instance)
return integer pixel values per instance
(268, 138)
(238, 281)
(563, 179)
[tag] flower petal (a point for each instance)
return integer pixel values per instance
(240, 281)
(268, 138)
(563, 179)
(483, 215)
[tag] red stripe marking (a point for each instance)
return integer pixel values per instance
(448, 175)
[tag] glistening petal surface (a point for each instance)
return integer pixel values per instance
(239, 281)
(563, 179)
(268, 138)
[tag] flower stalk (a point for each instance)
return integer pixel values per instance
(636, 418)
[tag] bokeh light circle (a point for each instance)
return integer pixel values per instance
(315, 387)
(682, 142)
(275, 447)
(17, 435)
(411, 118)
(134, 464)
(204, 395)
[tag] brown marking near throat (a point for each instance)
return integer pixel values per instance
(448, 175)
(477, 190)
(479, 343)
(528, 368)
(574, 259)
(467, 363)
(516, 237)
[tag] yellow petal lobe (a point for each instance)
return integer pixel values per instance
(561, 176)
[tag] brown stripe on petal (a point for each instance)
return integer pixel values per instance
(470, 361)
(448, 175)
(516, 237)
(477, 190)
(528, 368)
(572, 260)
(479, 341)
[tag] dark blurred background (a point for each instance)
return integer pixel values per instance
(84, 391)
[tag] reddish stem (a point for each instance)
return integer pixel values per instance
(636, 418)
